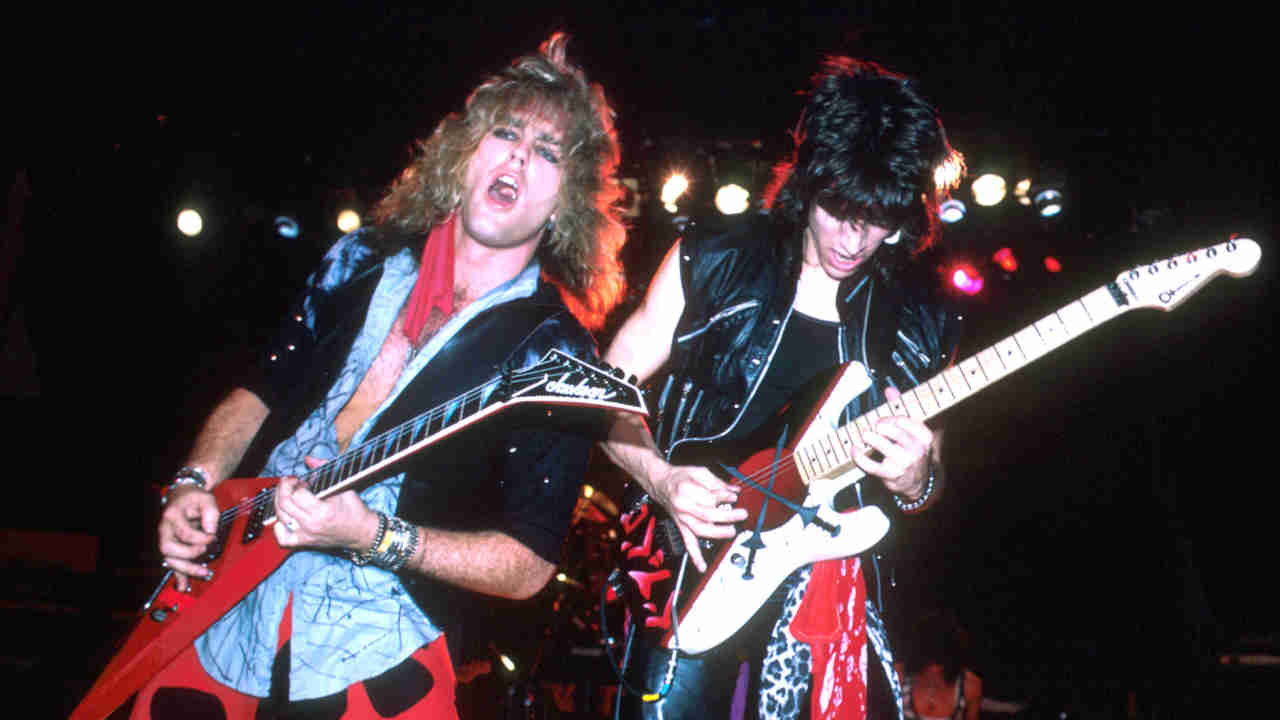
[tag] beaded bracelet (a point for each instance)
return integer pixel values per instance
(919, 502)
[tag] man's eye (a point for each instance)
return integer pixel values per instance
(504, 133)
(549, 155)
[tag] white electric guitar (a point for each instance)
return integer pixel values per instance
(788, 487)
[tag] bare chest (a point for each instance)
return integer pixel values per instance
(376, 385)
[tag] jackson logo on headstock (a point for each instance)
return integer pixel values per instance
(582, 390)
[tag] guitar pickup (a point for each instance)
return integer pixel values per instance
(219, 542)
(263, 502)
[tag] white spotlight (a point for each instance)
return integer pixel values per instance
(190, 223)
(732, 199)
(989, 190)
(348, 221)
(673, 188)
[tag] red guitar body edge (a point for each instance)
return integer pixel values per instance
(153, 644)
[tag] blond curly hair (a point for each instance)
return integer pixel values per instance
(580, 252)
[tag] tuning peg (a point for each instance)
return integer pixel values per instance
(633, 380)
(618, 372)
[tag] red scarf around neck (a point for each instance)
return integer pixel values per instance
(434, 287)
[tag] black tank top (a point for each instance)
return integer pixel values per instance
(808, 347)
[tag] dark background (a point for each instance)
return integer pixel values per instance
(1108, 525)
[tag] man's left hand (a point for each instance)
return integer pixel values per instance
(304, 520)
(904, 445)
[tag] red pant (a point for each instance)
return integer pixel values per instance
(420, 687)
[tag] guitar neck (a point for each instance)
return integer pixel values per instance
(1163, 285)
(391, 445)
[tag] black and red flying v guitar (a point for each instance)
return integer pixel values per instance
(241, 557)
(788, 487)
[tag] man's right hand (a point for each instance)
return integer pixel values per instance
(700, 503)
(187, 526)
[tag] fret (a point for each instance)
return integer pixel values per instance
(894, 407)
(842, 444)
(863, 424)
(415, 431)
(1052, 331)
(986, 363)
(849, 439)
(1076, 318)
(827, 455)
(929, 403)
(435, 424)
(942, 391)
(1101, 305)
(958, 381)
(912, 403)
(1029, 340)
(810, 460)
(1010, 354)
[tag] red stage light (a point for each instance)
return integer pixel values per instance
(1051, 264)
(966, 279)
(1005, 259)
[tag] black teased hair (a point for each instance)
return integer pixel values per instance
(866, 148)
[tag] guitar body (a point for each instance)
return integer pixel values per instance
(172, 620)
(791, 522)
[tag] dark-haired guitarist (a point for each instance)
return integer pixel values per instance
(741, 319)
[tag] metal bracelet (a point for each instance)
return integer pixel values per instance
(364, 558)
(189, 475)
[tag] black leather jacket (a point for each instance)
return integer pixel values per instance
(739, 286)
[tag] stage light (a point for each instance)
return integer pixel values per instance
(951, 211)
(190, 223)
(1048, 202)
(989, 190)
(1051, 264)
(507, 663)
(1005, 259)
(286, 227)
(966, 279)
(732, 199)
(1022, 191)
(948, 175)
(673, 188)
(588, 491)
(348, 221)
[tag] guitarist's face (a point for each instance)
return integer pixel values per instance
(840, 246)
(512, 183)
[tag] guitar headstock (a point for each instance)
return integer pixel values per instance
(1164, 284)
(563, 379)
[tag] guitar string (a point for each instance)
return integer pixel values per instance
(388, 438)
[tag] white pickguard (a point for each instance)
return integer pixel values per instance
(728, 600)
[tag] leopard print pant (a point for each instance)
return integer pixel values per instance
(785, 674)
